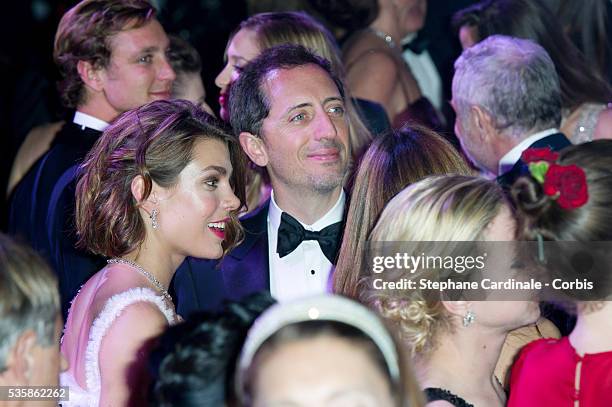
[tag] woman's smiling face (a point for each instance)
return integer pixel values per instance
(193, 213)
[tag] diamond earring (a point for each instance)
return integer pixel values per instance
(153, 217)
(468, 318)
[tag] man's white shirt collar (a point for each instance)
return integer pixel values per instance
(84, 120)
(511, 157)
(332, 216)
(305, 271)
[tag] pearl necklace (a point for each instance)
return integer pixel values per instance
(145, 273)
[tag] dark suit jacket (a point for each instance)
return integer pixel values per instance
(31, 197)
(556, 142)
(205, 284)
(42, 209)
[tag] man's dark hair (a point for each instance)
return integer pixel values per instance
(249, 104)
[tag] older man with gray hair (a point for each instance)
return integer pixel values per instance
(507, 98)
(30, 327)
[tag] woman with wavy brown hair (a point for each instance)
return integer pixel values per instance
(393, 161)
(156, 187)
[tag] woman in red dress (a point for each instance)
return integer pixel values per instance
(572, 207)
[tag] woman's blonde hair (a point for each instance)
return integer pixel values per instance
(440, 208)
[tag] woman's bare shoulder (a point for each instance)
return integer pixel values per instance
(364, 43)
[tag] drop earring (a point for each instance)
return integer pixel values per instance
(153, 217)
(468, 318)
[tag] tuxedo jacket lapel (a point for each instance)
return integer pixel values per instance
(556, 142)
(246, 268)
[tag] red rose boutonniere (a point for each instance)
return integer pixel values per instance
(568, 184)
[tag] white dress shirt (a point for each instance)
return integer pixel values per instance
(511, 157)
(85, 120)
(305, 271)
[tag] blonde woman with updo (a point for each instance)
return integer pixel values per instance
(455, 344)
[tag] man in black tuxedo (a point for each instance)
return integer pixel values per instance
(112, 58)
(287, 108)
(507, 99)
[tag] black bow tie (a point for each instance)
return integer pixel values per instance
(417, 45)
(291, 233)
